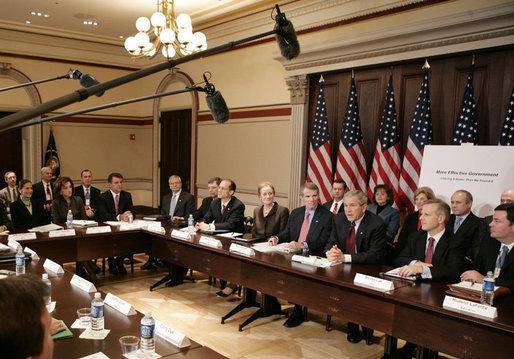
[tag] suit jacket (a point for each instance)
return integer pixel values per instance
(486, 261)
(233, 217)
(22, 218)
(94, 195)
(60, 210)
(200, 213)
(185, 204)
(370, 238)
(106, 209)
(5, 196)
(328, 205)
(469, 230)
(409, 226)
(272, 224)
(391, 217)
(319, 230)
(4, 220)
(39, 191)
(448, 259)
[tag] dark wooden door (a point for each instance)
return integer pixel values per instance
(175, 148)
(11, 153)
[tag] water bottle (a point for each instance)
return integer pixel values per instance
(487, 289)
(97, 312)
(191, 224)
(69, 219)
(147, 334)
(20, 262)
(47, 297)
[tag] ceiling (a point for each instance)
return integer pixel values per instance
(115, 18)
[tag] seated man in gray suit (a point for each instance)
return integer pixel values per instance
(10, 193)
(307, 229)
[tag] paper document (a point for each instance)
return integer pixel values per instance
(394, 273)
(46, 228)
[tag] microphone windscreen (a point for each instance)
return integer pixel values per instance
(287, 39)
(218, 107)
(87, 81)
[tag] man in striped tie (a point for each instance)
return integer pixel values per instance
(336, 204)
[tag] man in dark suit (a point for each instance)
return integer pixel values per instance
(44, 190)
(10, 193)
(434, 253)
(463, 223)
(336, 204)
(496, 254)
(307, 229)
(115, 205)
(507, 196)
(358, 236)
(226, 211)
(90, 195)
(178, 205)
(212, 187)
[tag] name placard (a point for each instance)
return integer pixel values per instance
(14, 244)
(131, 226)
(33, 254)
(62, 233)
(170, 335)
(179, 234)
(310, 260)
(375, 283)
(211, 242)
(101, 229)
(22, 236)
(469, 307)
(82, 284)
(52, 266)
(156, 229)
(119, 304)
(98, 355)
(239, 249)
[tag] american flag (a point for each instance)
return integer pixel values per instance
(465, 130)
(386, 162)
(351, 164)
(319, 168)
(507, 135)
(420, 136)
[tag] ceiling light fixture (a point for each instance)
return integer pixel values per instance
(171, 36)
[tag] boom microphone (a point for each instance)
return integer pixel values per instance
(86, 80)
(286, 36)
(216, 103)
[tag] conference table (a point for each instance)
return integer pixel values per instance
(413, 311)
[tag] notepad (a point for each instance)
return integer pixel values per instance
(63, 334)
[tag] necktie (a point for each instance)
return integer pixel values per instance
(419, 222)
(501, 258)
(173, 205)
(117, 203)
(48, 195)
(456, 226)
(223, 209)
(335, 208)
(430, 251)
(305, 229)
(350, 240)
(14, 194)
(87, 197)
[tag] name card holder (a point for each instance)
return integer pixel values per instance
(82, 284)
(211, 242)
(100, 229)
(239, 249)
(156, 229)
(469, 307)
(179, 234)
(52, 266)
(14, 244)
(98, 355)
(119, 304)
(374, 283)
(310, 260)
(22, 236)
(62, 233)
(170, 335)
(33, 254)
(131, 226)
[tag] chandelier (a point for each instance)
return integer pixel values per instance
(170, 36)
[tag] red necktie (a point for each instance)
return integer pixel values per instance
(48, 191)
(117, 203)
(305, 229)
(430, 251)
(335, 208)
(223, 209)
(419, 221)
(350, 240)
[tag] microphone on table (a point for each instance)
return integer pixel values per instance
(286, 36)
(216, 103)
(85, 80)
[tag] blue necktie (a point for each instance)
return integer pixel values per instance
(458, 221)
(501, 258)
